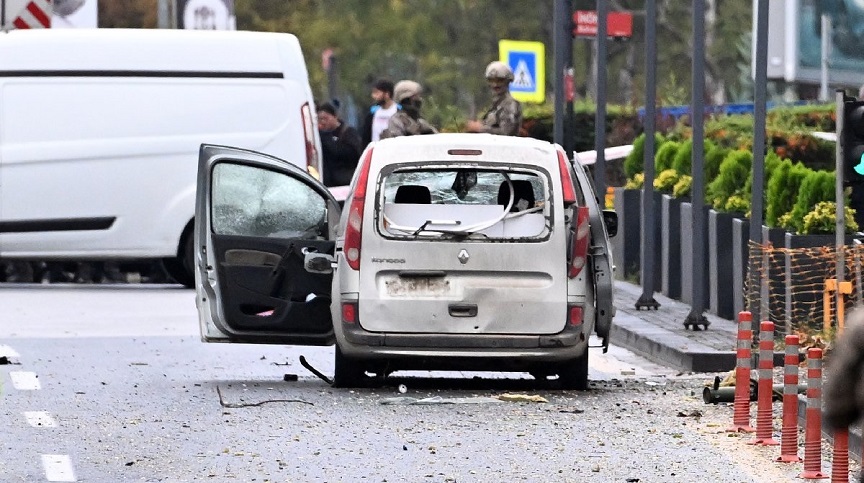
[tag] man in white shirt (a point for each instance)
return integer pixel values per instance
(380, 113)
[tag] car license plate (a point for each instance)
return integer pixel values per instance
(417, 287)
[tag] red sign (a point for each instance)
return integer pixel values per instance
(618, 24)
(32, 14)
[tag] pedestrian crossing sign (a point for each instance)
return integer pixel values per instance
(528, 62)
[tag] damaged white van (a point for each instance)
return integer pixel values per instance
(453, 252)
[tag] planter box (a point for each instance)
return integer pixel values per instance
(740, 253)
(670, 246)
(720, 263)
(688, 257)
(626, 245)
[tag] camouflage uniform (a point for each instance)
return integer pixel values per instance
(402, 124)
(504, 117)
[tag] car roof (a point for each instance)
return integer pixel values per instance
(494, 149)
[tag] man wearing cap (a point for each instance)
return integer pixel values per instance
(505, 115)
(407, 121)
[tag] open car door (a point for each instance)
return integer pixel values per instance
(256, 217)
(600, 255)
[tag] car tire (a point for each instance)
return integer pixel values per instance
(181, 268)
(573, 374)
(347, 372)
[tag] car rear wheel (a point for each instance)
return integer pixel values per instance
(573, 374)
(348, 372)
(181, 268)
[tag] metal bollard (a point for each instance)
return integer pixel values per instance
(764, 429)
(741, 405)
(813, 417)
(789, 433)
(840, 461)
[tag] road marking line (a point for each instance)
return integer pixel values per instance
(58, 467)
(40, 419)
(6, 351)
(25, 381)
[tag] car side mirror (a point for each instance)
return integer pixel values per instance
(610, 219)
(319, 263)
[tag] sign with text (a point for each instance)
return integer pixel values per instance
(618, 24)
(528, 62)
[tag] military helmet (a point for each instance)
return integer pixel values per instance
(405, 89)
(499, 70)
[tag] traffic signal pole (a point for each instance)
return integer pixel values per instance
(840, 226)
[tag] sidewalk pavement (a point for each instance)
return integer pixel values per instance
(659, 335)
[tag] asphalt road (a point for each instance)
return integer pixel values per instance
(112, 384)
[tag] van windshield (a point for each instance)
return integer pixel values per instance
(465, 203)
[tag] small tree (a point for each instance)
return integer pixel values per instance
(713, 158)
(783, 189)
(731, 179)
(635, 161)
(817, 186)
(683, 160)
(665, 155)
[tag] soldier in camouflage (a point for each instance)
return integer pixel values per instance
(407, 121)
(505, 115)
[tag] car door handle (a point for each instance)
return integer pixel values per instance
(462, 310)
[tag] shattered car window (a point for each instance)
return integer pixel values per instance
(252, 201)
(459, 202)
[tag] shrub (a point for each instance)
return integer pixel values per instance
(822, 219)
(665, 181)
(730, 180)
(817, 186)
(713, 158)
(683, 186)
(665, 155)
(683, 160)
(636, 182)
(782, 191)
(737, 204)
(635, 161)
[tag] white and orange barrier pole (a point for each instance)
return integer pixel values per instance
(813, 417)
(741, 404)
(789, 433)
(765, 393)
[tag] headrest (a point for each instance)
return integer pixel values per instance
(413, 194)
(522, 190)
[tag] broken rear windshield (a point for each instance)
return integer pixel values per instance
(466, 203)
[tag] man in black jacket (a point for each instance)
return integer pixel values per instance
(340, 146)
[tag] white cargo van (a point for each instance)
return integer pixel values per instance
(100, 132)
(453, 252)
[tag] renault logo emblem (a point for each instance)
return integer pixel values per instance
(463, 256)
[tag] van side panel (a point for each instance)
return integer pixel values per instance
(125, 149)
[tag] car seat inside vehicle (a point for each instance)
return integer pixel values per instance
(413, 194)
(523, 195)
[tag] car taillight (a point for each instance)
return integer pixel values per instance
(574, 313)
(569, 191)
(580, 242)
(349, 313)
(312, 166)
(354, 228)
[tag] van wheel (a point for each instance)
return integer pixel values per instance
(573, 374)
(348, 372)
(181, 268)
